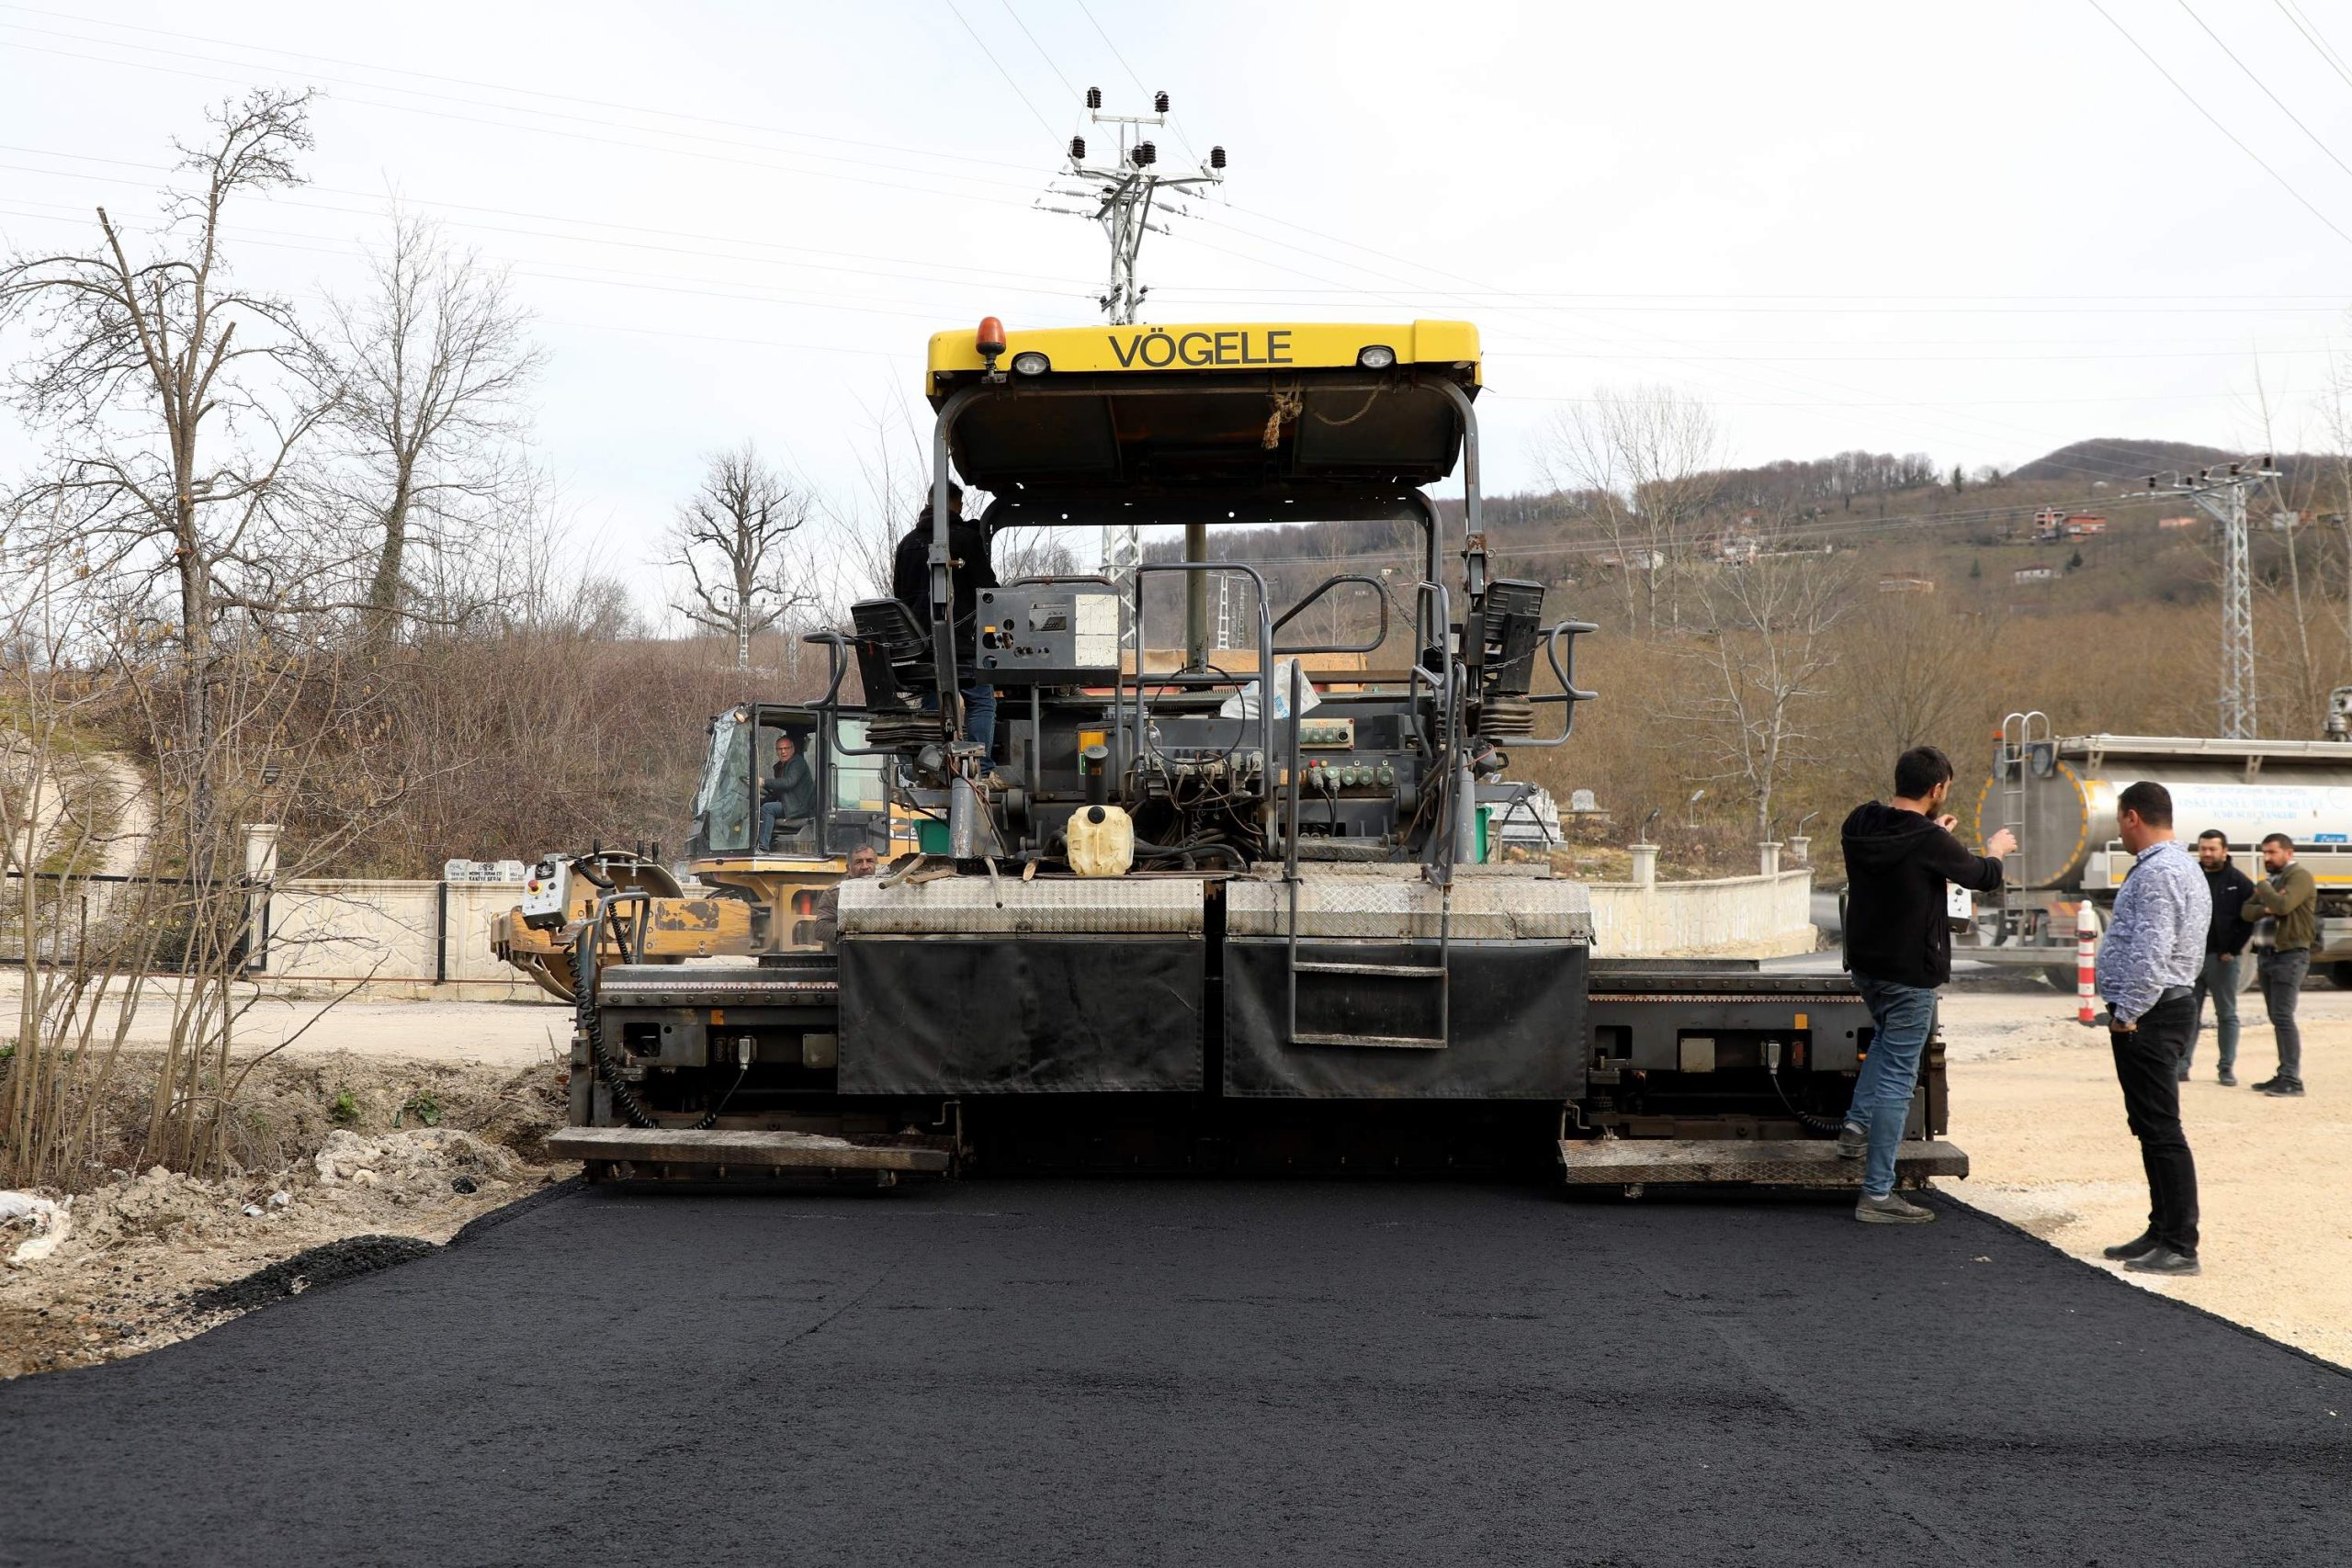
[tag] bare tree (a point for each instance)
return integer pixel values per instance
(734, 540)
(1901, 682)
(1765, 658)
(435, 358)
(178, 400)
(1641, 466)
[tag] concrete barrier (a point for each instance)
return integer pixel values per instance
(432, 937)
(1731, 917)
(428, 938)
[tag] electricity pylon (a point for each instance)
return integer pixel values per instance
(2220, 493)
(1120, 194)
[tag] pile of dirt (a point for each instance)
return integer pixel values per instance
(152, 1257)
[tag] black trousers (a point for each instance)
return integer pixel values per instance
(2147, 1063)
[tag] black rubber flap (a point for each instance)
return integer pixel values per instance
(1516, 1029)
(1016, 1015)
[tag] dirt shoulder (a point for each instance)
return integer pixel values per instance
(2035, 1105)
(348, 1160)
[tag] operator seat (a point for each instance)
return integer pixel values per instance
(893, 654)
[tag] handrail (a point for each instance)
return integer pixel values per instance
(1326, 586)
(1265, 660)
(1569, 693)
(836, 651)
(1380, 591)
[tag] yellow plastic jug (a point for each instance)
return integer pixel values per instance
(1102, 841)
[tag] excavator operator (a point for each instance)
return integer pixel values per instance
(789, 792)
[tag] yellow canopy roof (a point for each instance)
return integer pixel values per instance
(1213, 345)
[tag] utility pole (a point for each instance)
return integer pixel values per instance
(1120, 194)
(2220, 493)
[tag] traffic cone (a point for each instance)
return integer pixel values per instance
(2086, 965)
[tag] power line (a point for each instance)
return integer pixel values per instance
(2217, 125)
(1038, 47)
(953, 193)
(470, 84)
(2267, 93)
(2309, 30)
(1000, 70)
(279, 200)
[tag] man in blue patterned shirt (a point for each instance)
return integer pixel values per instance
(2148, 964)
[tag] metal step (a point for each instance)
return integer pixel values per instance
(730, 1147)
(1392, 971)
(1385, 1042)
(1785, 1162)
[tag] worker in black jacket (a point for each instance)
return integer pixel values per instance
(2225, 952)
(1899, 858)
(969, 571)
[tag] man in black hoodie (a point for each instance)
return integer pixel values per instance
(969, 571)
(1898, 944)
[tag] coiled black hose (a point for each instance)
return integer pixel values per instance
(591, 1028)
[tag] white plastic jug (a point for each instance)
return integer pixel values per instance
(1102, 841)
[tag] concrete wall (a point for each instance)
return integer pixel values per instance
(1732, 917)
(431, 936)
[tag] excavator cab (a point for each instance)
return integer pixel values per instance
(745, 813)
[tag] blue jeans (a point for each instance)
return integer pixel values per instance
(2282, 986)
(979, 716)
(771, 814)
(2218, 979)
(1904, 1017)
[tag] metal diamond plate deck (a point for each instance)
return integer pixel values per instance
(969, 906)
(1348, 904)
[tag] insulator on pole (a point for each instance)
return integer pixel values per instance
(1216, 157)
(1094, 98)
(1145, 154)
(1078, 149)
(1159, 103)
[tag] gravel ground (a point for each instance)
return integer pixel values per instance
(1173, 1371)
(2035, 1105)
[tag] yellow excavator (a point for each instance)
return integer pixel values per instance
(753, 877)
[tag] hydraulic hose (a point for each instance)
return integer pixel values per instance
(1147, 850)
(1830, 1125)
(592, 1028)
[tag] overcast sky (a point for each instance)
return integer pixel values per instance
(1981, 230)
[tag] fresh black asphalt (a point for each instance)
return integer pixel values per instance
(1179, 1372)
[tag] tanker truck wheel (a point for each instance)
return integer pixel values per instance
(2061, 976)
(2342, 975)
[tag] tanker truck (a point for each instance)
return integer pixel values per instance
(2057, 795)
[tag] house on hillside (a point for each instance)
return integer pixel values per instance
(2083, 525)
(1739, 544)
(2176, 522)
(1630, 561)
(2033, 574)
(2046, 524)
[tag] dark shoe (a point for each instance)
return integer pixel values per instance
(2229, 1079)
(1853, 1141)
(2138, 1246)
(2281, 1088)
(2183, 1075)
(2163, 1260)
(1891, 1210)
(2266, 1086)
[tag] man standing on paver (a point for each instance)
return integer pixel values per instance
(2289, 898)
(1898, 944)
(2225, 941)
(2148, 964)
